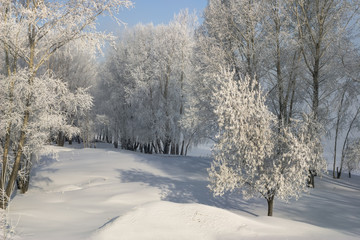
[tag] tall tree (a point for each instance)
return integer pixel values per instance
(321, 25)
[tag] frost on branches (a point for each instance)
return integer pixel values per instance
(253, 153)
(33, 103)
(352, 156)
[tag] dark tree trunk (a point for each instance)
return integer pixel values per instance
(182, 148)
(349, 174)
(167, 144)
(159, 147)
(149, 147)
(311, 179)
(177, 149)
(135, 146)
(338, 172)
(270, 203)
(173, 149)
(61, 139)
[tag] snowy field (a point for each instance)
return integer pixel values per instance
(105, 193)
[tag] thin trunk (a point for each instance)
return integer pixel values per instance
(291, 87)
(187, 147)
(270, 202)
(311, 179)
(173, 149)
(177, 149)
(16, 166)
(167, 144)
(346, 142)
(337, 131)
(182, 148)
(280, 81)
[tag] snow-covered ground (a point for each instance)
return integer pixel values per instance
(105, 193)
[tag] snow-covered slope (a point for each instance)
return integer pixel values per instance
(111, 194)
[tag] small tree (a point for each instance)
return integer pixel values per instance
(352, 157)
(253, 153)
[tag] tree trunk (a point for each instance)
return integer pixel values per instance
(182, 148)
(23, 182)
(337, 130)
(349, 174)
(270, 202)
(187, 147)
(155, 149)
(173, 149)
(177, 149)
(16, 166)
(167, 145)
(338, 176)
(311, 180)
(61, 139)
(346, 143)
(5, 158)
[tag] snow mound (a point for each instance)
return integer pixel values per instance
(167, 220)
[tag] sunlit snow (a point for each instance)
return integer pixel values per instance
(105, 193)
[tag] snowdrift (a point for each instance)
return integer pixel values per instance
(112, 194)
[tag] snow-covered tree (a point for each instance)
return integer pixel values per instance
(32, 100)
(321, 27)
(76, 66)
(252, 153)
(345, 102)
(145, 77)
(352, 157)
(236, 27)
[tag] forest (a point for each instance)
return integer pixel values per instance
(269, 82)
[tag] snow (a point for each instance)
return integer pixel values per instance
(105, 193)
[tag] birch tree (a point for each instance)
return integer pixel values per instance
(321, 25)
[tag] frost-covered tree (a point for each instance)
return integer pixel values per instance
(345, 102)
(145, 77)
(76, 66)
(32, 100)
(236, 27)
(322, 27)
(251, 152)
(352, 157)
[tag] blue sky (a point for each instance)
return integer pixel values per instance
(155, 11)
